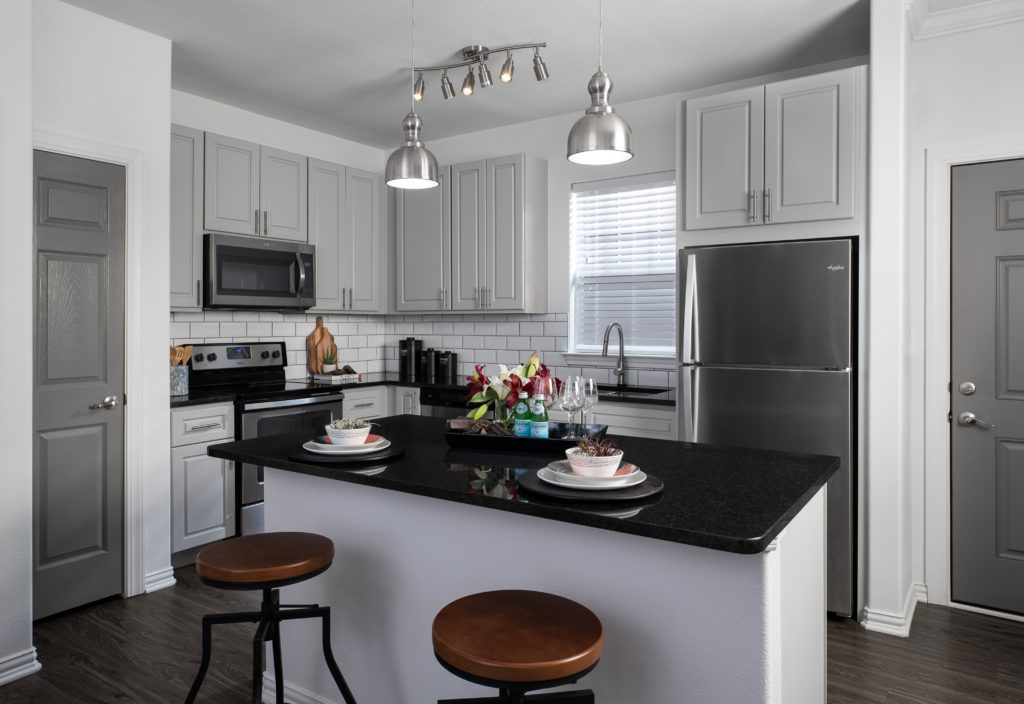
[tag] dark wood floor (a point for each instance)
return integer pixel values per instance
(145, 650)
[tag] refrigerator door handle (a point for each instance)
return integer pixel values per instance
(689, 327)
(687, 403)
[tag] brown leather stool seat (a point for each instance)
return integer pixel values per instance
(518, 641)
(267, 561)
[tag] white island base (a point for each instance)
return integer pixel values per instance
(683, 624)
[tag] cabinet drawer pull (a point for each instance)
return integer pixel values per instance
(205, 426)
(367, 404)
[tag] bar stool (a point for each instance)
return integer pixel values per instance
(518, 641)
(267, 561)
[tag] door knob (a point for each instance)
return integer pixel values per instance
(110, 402)
(967, 419)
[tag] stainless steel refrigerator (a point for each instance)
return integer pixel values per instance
(767, 358)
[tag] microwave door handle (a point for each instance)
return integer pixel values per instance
(302, 275)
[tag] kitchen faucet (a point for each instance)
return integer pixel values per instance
(620, 369)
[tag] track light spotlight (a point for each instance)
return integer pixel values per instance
(447, 89)
(507, 69)
(468, 83)
(418, 88)
(540, 69)
(485, 75)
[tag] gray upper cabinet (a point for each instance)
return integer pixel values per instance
(254, 190)
(779, 153)
(345, 225)
(468, 224)
(422, 233)
(186, 254)
(283, 194)
(366, 266)
(478, 245)
(724, 158)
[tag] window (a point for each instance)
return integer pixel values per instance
(623, 263)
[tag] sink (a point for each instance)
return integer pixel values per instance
(630, 390)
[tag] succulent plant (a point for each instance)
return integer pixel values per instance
(331, 357)
(350, 424)
(597, 447)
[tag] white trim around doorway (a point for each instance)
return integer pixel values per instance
(134, 577)
(938, 162)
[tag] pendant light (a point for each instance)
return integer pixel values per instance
(412, 165)
(601, 136)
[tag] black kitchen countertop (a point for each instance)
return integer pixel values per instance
(723, 498)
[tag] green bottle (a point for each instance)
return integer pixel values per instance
(522, 416)
(539, 420)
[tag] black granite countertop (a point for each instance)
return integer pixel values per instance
(730, 499)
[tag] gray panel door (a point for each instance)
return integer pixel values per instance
(423, 245)
(366, 257)
(808, 148)
(232, 185)
(468, 227)
(283, 194)
(767, 304)
(988, 353)
(186, 217)
(788, 410)
(724, 158)
(505, 270)
(327, 232)
(79, 362)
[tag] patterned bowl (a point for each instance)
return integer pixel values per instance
(587, 466)
(347, 436)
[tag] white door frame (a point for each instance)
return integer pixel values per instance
(134, 164)
(937, 429)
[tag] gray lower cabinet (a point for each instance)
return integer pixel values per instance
(202, 487)
(477, 243)
(186, 235)
(254, 190)
(778, 153)
(345, 226)
(405, 400)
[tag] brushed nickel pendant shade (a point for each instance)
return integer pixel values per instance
(601, 136)
(412, 165)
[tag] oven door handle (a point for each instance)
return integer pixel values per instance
(292, 402)
(302, 275)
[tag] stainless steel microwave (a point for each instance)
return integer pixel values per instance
(250, 272)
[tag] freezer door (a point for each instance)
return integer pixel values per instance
(795, 411)
(782, 304)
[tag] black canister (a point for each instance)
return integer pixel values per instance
(416, 360)
(403, 360)
(453, 370)
(443, 367)
(430, 366)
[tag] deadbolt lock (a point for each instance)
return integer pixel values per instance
(967, 388)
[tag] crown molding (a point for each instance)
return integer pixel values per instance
(926, 23)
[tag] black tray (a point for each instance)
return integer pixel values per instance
(650, 487)
(385, 454)
(554, 443)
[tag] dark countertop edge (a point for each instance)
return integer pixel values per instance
(186, 401)
(741, 546)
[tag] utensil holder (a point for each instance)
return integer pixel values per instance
(179, 381)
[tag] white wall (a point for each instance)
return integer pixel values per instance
(102, 89)
(17, 656)
(964, 97)
(211, 116)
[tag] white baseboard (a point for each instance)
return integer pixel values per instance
(160, 580)
(293, 693)
(18, 665)
(896, 624)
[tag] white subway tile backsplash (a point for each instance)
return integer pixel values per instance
(271, 316)
(284, 329)
(495, 343)
(232, 329)
(259, 329)
(442, 328)
(483, 357)
(650, 377)
(179, 330)
(484, 328)
(245, 316)
(518, 343)
(204, 329)
(507, 328)
(188, 317)
(531, 328)
(473, 341)
(543, 344)
(556, 329)
(452, 341)
(357, 341)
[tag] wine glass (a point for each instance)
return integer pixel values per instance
(546, 386)
(570, 400)
(588, 390)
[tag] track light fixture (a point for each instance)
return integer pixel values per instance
(418, 88)
(477, 55)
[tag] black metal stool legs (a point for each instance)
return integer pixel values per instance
(269, 618)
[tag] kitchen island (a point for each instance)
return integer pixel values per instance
(712, 591)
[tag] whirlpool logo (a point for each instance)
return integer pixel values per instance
(835, 267)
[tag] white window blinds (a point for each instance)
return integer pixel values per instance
(623, 259)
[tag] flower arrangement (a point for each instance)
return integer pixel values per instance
(499, 393)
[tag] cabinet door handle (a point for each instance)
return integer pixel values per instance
(767, 205)
(487, 296)
(265, 230)
(199, 300)
(351, 298)
(752, 205)
(256, 218)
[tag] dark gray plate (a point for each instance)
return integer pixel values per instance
(652, 486)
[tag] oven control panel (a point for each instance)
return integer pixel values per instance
(238, 355)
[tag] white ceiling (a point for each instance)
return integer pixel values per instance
(342, 67)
